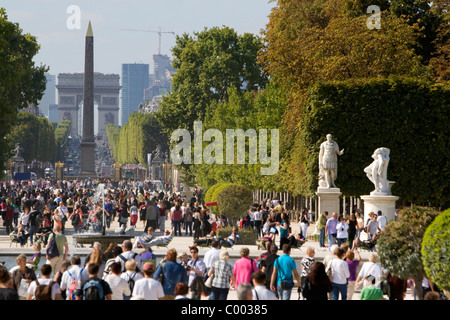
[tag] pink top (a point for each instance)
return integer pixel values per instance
(243, 269)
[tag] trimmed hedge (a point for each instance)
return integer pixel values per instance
(436, 250)
(410, 117)
(247, 236)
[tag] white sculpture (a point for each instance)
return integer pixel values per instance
(329, 150)
(377, 170)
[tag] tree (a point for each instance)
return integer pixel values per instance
(35, 135)
(21, 82)
(139, 136)
(310, 41)
(435, 246)
(399, 246)
(234, 201)
(207, 64)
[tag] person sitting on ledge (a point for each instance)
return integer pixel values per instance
(205, 240)
(231, 239)
(144, 239)
(161, 240)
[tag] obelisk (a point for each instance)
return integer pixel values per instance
(87, 138)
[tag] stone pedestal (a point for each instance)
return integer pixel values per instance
(379, 202)
(329, 200)
(88, 159)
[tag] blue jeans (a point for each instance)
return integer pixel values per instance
(32, 232)
(342, 288)
(322, 238)
(331, 240)
(283, 293)
(177, 226)
(188, 226)
(218, 293)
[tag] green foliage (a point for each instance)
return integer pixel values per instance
(62, 132)
(247, 236)
(247, 110)
(139, 136)
(408, 116)
(35, 135)
(436, 251)
(234, 201)
(399, 246)
(21, 82)
(208, 64)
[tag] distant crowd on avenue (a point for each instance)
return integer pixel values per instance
(36, 213)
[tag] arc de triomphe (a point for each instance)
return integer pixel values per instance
(106, 96)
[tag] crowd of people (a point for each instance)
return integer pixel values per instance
(38, 214)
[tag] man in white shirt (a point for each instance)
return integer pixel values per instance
(147, 287)
(73, 275)
(46, 271)
(381, 221)
(120, 287)
(212, 255)
(260, 292)
(127, 254)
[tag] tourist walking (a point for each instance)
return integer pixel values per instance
(223, 275)
(284, 270)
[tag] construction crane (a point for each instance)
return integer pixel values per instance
(158, 32)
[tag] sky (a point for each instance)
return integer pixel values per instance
(55, 24)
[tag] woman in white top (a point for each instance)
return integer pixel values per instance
(372, 267)
(342, 231)
(340, 273)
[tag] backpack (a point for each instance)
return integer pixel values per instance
(131, 282)
(52, 249)
(43, 291)
(76, 219)
(125, 260)
(74, 285)
(93, 290)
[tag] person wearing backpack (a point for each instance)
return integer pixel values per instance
(58, 240)
(44, 288)
(72, 278)
(127, 254)
(119, 287)
(94, 288)
(131, 275)
(77, 219)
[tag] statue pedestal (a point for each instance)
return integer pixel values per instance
(329, 200)
(378, 201)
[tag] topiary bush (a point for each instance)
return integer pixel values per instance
(436, 251)
(399, 246)
(234, 201)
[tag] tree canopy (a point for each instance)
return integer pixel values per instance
(21, 81)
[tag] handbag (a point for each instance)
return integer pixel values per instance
(329, 271)
(285, 284)
(209, 281)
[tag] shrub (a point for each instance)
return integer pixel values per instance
(436, 251)
(234, 201)
(247, 236)
(399, 246)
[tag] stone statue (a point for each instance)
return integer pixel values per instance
(17, 151)
(329, 150)
(377, 170)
